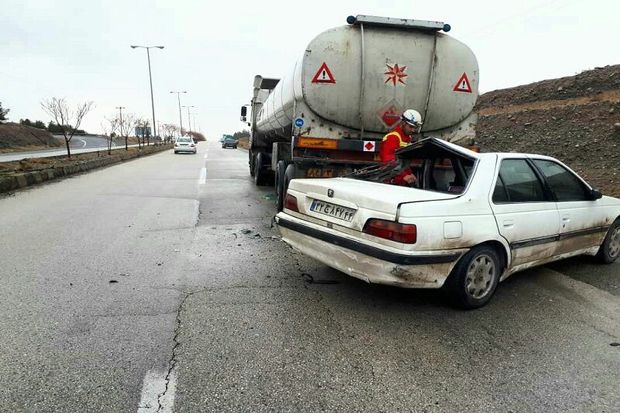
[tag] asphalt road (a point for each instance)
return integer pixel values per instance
(79, 144)
(160, 284)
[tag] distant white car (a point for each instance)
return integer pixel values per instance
(184, 144)
(473, 220)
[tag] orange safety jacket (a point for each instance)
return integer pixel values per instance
(393, 141)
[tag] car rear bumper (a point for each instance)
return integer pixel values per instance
(370, 263)
(185, 149)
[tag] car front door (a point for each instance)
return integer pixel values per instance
(582, 221)
(525, 214)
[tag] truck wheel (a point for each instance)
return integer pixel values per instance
(252, 161)
(289, 174)
(474, 279)
(260, 174)
(610, 248)
(280, 191)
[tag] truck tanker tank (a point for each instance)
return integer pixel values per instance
(327, 116)
(358, 80)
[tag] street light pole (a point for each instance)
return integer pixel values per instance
(148, 57)
(179, 100)
(120, 113)
(189, 120)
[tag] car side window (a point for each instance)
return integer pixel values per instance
(520, 182)
(564, 184)
(499, 194)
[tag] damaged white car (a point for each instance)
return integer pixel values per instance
(473, 220)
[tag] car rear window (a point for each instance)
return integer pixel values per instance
(184, 140)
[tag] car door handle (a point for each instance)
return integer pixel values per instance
(566, 218)
(508, 223)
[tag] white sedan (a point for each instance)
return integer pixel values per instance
(184, 144)
(473, 220)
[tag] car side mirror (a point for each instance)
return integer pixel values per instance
(596, 194)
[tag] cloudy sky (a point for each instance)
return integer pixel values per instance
(79, 49)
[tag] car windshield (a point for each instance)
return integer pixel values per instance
(184, 140)
(436, 168)
(230, 139)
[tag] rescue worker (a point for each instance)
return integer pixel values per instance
(401, 136)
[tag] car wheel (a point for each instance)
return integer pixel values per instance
(474, 280)
(175, 152)
(610, 248)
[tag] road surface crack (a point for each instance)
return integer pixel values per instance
(173, 359)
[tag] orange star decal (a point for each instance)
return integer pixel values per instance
(396, 74)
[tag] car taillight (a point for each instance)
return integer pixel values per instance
(290, 202)
(405, 233)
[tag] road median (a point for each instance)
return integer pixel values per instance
(28, 172)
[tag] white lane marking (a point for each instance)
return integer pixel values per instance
(83, 142)
(206, 155)
(153, 389)
(203, 176)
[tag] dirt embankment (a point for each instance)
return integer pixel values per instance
(575, 119)
(14, 136)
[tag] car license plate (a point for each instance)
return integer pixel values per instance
(332, 210)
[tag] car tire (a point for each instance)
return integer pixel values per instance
(474, 279)
(610, 248)
(280, 170)
(175, 152)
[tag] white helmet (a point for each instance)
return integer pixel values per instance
(412, 117)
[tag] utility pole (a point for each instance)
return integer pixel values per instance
(120, 114)
(179, 100)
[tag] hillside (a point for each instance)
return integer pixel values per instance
(575, 118)
(19, 137)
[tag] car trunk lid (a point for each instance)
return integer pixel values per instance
(350, 202)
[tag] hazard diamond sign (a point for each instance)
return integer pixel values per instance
(463, 84)
(369, 146)
(324, 75)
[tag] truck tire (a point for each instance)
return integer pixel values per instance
(289, 174)
(261, 175)
(280, 190)
(251, 162)
(610, 248)
(474, 279)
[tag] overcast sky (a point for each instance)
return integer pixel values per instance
(79, 49)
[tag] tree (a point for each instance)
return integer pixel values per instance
(3, 112)
(169, 130)
(143, 124)
(109, 126)
(58, 109)
(126, 125)
(241, 134)
(37, 124)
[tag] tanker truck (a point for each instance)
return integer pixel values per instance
(327, 116)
